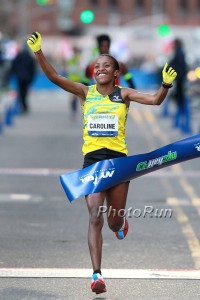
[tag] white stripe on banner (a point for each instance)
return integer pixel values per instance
(107, 273)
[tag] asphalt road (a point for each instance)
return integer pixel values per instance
(43, 238)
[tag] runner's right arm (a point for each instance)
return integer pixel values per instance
(35, 42)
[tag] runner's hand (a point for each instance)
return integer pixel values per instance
(169, 74)
(35, 42)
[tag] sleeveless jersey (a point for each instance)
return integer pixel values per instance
(104, 121)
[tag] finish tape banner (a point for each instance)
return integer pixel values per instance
(108, 173)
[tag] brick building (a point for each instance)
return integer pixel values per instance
(19, 17)
(177, 11)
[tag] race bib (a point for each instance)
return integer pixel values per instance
(102, 125)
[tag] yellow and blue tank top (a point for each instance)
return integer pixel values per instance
(104, 121)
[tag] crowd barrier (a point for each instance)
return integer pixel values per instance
(9, 108)
(181, 118)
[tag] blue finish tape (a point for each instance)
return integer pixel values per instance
(108, 173)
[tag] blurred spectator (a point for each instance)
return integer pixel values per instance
(104, 42)
(23, 67)
(74, 73)
(3, 64)
(178, 62)
(1, 52)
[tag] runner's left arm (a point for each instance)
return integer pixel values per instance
(169, 75)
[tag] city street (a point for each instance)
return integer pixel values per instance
(43, 237)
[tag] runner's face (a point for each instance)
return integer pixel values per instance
(104, 71)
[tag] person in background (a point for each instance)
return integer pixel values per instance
(23, 67)
(178, 62)
(108, 104)
(75, 73)
(103, 43)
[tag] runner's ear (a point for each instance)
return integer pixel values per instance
(116, 74)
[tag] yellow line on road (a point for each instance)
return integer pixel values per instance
(182, 218)
(136, 115)
(187, 230)
(189, 190)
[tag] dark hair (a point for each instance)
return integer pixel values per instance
(178, 43)
(103, 38)
(116, 64)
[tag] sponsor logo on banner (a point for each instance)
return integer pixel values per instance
(156, 161)
(98, 175)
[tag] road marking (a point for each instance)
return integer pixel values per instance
(136, 116)
(189, 190)
(181, 201)
(107, 273)
(34, 171)
(56, 172)
(186, 227)
(171, 173)
(20, 198)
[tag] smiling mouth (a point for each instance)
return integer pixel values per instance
(101, 74)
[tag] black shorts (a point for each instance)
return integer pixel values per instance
(101, 154)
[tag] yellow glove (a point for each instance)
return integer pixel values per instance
(35, 42)
(169, 74)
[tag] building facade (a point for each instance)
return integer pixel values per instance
(178, 11)
(21, 16)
